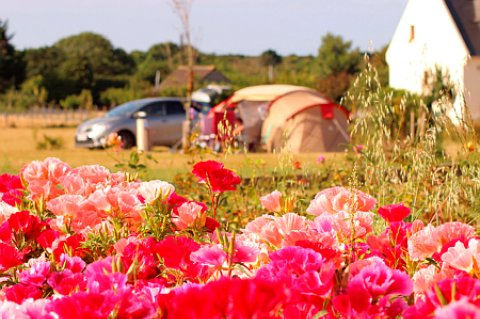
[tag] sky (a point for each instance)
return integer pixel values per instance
(247, 27)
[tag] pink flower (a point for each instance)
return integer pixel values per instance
(464, 258)
(303, 270)
(36, 275)
(264, 229)
(272, 202)
(190, 214)
(44, 178)
(375, 281)
(461, 309)
(430, 240)
(209, 255)
(394, 212)
(155, 189)
(66, 282)
(338, 199)
(320, 159)
(444, 293)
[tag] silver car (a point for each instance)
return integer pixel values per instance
(164, 119)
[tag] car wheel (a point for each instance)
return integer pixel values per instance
(128, 140)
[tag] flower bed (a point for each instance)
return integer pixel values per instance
(87, 243)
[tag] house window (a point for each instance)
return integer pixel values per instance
(412, 33)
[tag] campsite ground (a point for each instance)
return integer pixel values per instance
(18, 146)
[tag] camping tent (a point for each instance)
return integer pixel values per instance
(305, 121)
(251, 105)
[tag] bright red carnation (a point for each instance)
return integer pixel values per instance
(394, 212)
(216, 176)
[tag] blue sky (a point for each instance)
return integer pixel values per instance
(218, 26)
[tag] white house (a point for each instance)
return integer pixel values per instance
(438, 33)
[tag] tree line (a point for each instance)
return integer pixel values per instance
(87, 70)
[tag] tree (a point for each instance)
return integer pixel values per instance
(11, 62)
(335, 56)
(161, 57)
(95, 63)
(270, 58)
(45, 62)
(337, 64)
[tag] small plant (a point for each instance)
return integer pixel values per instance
(50, 143)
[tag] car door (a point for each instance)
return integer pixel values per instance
(156, 121)
(175, 117)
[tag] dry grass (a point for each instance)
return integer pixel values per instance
(18, 147)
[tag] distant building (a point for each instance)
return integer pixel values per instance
(204, 75)
(441, 34)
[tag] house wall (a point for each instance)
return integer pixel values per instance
(472, 87)
(426, 37)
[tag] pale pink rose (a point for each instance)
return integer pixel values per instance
(463, 258)
(44, 178)
(75, 185)
(29, 309)
(453, 230)
(424, 279)
(56, 168)
(458, 309)
(265, 230)
(423, 243)
(289, 222)
(272, 202)
(190, 214)
(128, 203)
(430, 240)
(66, 205)
(155, 189)
(246, 251)
(78, 212)
(342, 225)
(338, 199)
(123, 203)
(212, 255)
(92, 174)
(116, 178)
(5, 211)
(98, 201)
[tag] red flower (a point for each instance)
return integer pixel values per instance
(28, 224)
(20, 292)
(297, 165)
(9, 257)
(10, 189)
(394, 212)
(217, 177)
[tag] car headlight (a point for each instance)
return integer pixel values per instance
(97, 130)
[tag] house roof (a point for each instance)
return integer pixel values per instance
(179, 77)
(466, 14)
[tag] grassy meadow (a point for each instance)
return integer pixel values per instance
(19, 146)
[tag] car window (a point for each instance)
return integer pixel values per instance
(174, 108)
(154, 109)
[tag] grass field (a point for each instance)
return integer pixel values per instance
(18, 146)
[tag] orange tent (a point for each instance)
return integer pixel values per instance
(250, 104)
(305, 121)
